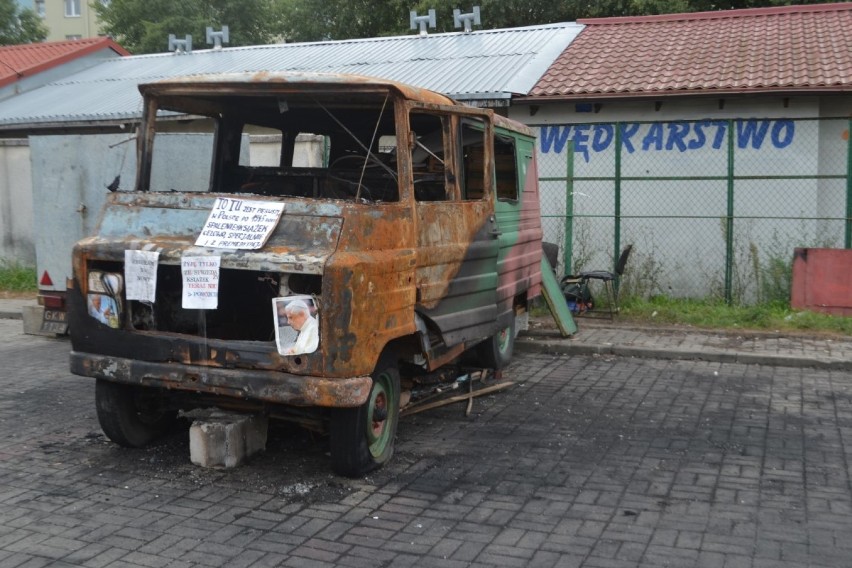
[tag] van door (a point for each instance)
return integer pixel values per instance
(457, 231)
(518, 215)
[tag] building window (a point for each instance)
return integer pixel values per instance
(72, 8)
(73, 37)
(39, 5)
(105, 3)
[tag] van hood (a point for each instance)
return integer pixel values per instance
(306, 235)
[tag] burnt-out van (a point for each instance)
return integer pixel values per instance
(316, 281)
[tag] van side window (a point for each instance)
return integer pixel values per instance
(431, 168)
(472, 147)
(506, 166)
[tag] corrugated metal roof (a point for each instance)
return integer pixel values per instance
(784, 49)
(17, 61)
(491, 64)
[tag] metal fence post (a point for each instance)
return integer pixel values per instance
(568, 249)
(617, 221)
(729, 221)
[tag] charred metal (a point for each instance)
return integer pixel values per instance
(407, 224)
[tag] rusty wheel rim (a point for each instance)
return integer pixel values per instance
(503, 339)
(379, 414)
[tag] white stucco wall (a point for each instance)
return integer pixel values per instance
(678, 225)
(307, 153)
(16, 204)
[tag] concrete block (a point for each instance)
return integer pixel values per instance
(225, 439)
(32, 316)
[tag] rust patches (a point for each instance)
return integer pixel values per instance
(373, 265)
(291, 81)
(446, 231)
(274, 387)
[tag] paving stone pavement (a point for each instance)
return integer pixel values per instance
(590, 460)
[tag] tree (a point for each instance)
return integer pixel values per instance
(19, 26)
(313, 20)
(143, 26)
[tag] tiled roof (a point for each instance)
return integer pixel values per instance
(788, 49)
(17, 61)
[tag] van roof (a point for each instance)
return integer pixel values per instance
(290, 81)
(237, 83)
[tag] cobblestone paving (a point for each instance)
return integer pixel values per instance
(588, 461)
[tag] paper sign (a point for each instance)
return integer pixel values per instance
(200, 282)
(140, 274)
(239, 224)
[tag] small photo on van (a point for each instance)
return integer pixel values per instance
(296, 325)
(103, 308)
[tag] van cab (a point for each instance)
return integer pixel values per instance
(390, 232)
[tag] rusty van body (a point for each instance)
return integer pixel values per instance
(413, 237)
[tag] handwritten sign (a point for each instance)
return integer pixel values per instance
(239, 224)
(200, 282)
(140, 274)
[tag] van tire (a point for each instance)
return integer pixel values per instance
(126, 419)
(359, 443)
(496, 351)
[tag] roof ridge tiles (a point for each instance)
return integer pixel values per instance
(721, 14)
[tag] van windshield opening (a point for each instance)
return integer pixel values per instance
(287, 145)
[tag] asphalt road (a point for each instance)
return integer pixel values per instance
(587, 461)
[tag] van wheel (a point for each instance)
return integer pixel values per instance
(128, 416)
(362, 438)
(496, 351)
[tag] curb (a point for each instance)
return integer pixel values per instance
(11, 315)
(566, 347)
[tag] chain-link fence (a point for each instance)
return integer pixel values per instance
(713, 208)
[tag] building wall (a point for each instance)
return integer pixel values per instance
(793, 164)
(62, 26)
(16, 203)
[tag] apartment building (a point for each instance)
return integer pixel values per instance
(66, 19)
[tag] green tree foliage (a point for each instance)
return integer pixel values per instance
(313, 20)
(143, 26)
(19, 26)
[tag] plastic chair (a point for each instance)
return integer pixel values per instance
(577, 285)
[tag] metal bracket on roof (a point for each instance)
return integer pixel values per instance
(218, 38)
(469, 20)
(422, 21)
(180, 46)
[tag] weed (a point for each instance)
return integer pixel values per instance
(581, 249)
(771, 316)
(15, 277)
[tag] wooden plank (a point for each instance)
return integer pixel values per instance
(458, 398)
(555, 300)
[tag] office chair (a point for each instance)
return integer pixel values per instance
(575, 287)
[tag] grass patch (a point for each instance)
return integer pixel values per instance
(15, 277)
(776, 316)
